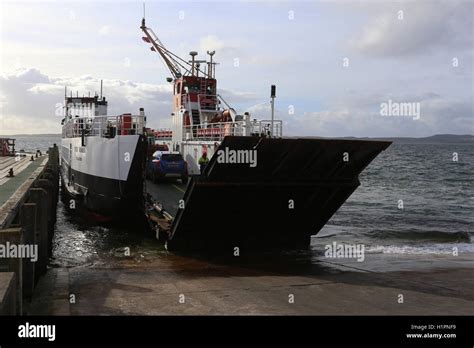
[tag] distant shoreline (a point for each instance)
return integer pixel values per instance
(434, 139)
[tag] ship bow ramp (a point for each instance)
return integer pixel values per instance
(278, 201)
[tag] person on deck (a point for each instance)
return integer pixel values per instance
(203, 161)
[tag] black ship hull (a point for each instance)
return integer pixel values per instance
(108, 199)
(289, 196)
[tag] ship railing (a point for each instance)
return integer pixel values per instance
(208, 102)
(163, 134)
(214, 131)
(104, 126)
(264, 128)
(185, 100)
(212, 102)
(7, 146)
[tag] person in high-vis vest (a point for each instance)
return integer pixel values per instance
(203, 161)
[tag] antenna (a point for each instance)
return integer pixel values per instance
(143, 19)
(210, 73)
(65, 92)
(198, 65)
(100, 89)
(193, 54)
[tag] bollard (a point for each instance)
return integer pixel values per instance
(10, 173)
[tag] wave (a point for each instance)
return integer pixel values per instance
(436, 249)
(425, 236)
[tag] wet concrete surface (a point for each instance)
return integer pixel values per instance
(176, 285)
(92, 273)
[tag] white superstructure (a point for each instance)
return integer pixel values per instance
(102, 156)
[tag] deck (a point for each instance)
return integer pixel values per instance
(29, 186)
(168, 193)
(12, 189)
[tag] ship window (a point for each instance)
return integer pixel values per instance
(194, 88)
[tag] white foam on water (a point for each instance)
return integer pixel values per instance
(446, 249)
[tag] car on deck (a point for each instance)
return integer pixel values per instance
(167, 164)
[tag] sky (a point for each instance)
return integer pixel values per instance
(335, 63)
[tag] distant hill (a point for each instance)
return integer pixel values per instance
(435, 139)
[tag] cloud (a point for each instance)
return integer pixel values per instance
(423, 28)
(30, 76)
(46, 88)
(359, 115)
(104, 30)
(213, 43)
(29, 100)
(210, 43)
(236, 97)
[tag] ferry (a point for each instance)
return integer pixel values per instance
(282, 197)
(102, 158)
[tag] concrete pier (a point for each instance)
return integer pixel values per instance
(174, 285)
(29, 187)
(152, 281)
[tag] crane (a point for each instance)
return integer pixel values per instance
(171, 60)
